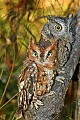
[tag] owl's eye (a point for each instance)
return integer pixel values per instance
(49, 54)
(58, 27)
(34, 53)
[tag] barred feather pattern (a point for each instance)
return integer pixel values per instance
(27, 84)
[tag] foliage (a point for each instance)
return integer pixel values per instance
(19, 20)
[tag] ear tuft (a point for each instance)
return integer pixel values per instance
(31, 42)
(70, 18)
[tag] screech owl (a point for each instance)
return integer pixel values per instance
(37, 76)
(58, 29)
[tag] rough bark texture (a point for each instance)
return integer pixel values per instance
(54, 102)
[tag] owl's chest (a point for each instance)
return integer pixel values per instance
(45, 81)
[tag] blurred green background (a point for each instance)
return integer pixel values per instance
(19, 21)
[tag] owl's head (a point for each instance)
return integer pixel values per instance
(42, 56)
(57, 27)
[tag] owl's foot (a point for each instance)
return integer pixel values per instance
(38, 103)
(50, 93)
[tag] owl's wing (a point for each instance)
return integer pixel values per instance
(64, 51)
(27, 84)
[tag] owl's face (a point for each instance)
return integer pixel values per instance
(58, 27)
(42, 56)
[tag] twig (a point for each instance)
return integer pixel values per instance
(7, 84)
(8, 101)
(29, 32)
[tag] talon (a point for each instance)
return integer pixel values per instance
(36, 106)
(38, 103)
